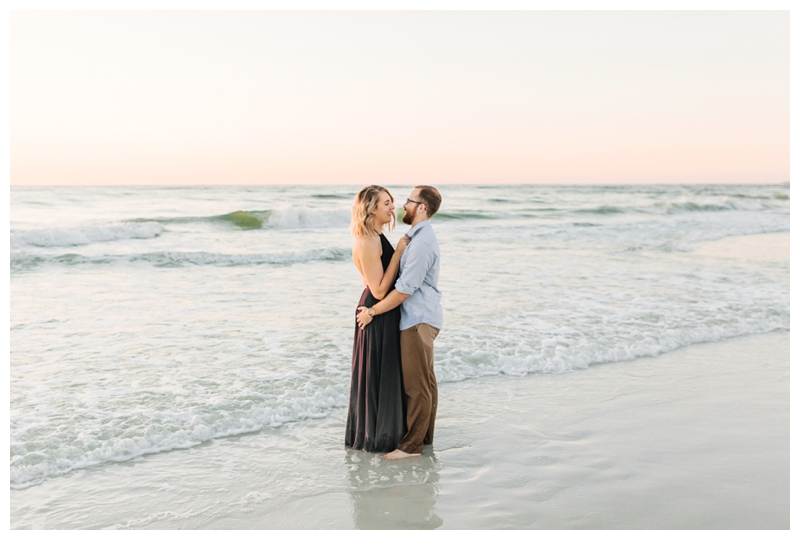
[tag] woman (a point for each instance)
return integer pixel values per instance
(376, 418)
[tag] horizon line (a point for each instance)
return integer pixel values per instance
(470, 184)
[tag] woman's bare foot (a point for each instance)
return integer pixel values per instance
(398, 454)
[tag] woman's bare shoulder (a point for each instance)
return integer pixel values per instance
(367, 242)
(367, 245)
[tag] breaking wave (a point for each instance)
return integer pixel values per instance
(180, 259)
(78, 236)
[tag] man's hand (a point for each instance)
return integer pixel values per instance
(363, 317)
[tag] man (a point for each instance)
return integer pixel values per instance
(420, 319)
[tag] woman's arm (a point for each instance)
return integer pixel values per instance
(367, 251)
(391, 270)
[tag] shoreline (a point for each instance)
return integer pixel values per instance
(697, 438)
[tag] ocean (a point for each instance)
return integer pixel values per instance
(154, 319)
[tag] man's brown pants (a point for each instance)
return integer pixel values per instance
(419, 380)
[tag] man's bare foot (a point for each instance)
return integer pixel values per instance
(398, 454)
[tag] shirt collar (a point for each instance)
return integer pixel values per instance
(418, 227)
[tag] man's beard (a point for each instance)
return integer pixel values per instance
(408, 219)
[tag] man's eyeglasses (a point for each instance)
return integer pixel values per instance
(410, 201)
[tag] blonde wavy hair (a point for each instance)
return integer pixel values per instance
(366, 201)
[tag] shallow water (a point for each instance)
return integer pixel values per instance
(697, 438)
(146, 320)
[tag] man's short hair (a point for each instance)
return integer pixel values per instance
(431, 197)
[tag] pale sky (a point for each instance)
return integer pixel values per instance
(266, 97)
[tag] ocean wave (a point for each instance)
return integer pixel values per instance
(78, 236)
(467, 357)
(663, 233)
(22, 261)
(450, 216)
(245, 220)
(284, 216)
(332, 196)
(155, 432)
(287, 216)
(684, 205)
(601, 210)
(720, 205)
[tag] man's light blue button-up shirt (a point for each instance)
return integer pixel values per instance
(419, 277)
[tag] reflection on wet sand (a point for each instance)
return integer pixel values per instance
(394, 494)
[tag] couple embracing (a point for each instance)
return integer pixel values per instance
(393, 393)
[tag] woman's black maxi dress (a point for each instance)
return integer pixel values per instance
(376, 417)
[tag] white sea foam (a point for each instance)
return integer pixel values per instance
(470, 357)
(77, 236)
(288, 216)
(112, 437)
(465, 356)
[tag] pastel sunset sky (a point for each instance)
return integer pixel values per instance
(355, 97)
